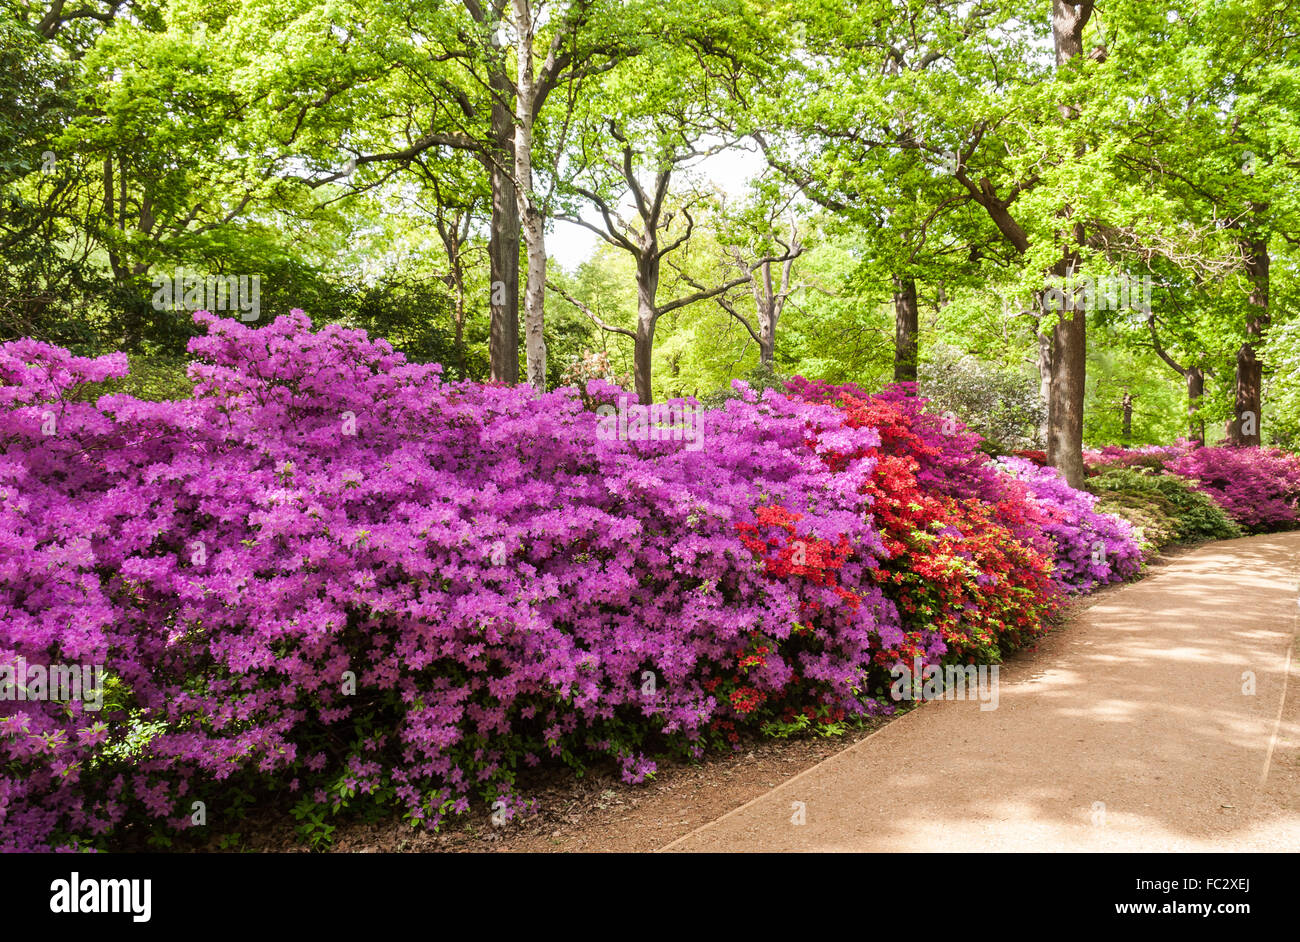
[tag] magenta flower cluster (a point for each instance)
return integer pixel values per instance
(1258, 487)
(1091, 548)
(1153, 457)
(335, 567)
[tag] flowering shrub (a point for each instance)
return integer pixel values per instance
(333, 567)
(1091, 548)
(1162, 508)
(964, 584)
(1034, 503)
(946, 452)
(1150, 457)
(963, 568)
(1259, 488)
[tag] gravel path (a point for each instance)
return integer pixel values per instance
(1127, 730)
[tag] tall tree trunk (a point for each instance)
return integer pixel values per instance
(1195, 392)
(647, 287)
(535, 299)
(534, 230)
(458, 282)
(769, 301)
(1067, 384)
(503, 238)
(1065, 405)
(767, 308)
(1126, 418)
(1044, 383)
(1069, 336)
(1245, 425)
(767, 339)
(906, 328)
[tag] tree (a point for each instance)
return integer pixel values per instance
(650, 236)
(761, 228)
(391, 85)
(1223, 142)
(851, 129)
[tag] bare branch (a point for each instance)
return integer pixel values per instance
(552, 286)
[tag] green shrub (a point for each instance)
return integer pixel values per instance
(152, 378)
(1166, 507)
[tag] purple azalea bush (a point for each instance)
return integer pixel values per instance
(335, 573)
(335, 567)
(1091, 548)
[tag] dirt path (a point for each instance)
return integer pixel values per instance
(1127, 730)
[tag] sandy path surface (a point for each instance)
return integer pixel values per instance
(1127, 730)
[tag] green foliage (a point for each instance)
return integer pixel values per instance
(314, 828)
(1282, 388)
(1165, 506)
(1000, 404)
(414, 315)
(155, 378)
(1157, 396)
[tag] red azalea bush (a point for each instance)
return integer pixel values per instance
(946, 452)
(968, 567)
(957, 572)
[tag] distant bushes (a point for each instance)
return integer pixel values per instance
(1163, 507)
(1151, 457)
(1258, 487)
(1000, 404)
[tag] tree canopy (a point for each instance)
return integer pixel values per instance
(1084, 215)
